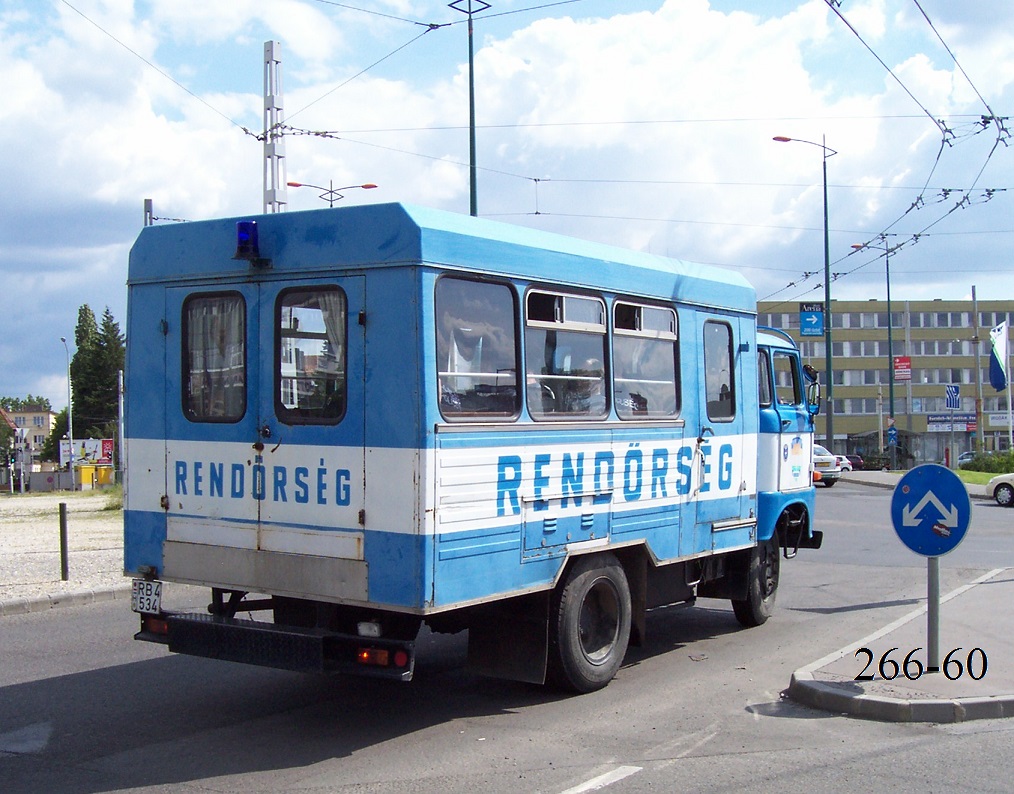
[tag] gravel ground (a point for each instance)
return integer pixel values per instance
(30, 544)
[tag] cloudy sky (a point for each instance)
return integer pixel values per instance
(646, 124)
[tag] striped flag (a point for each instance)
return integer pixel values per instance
(998, 357)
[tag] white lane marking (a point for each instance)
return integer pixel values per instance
(604, 780)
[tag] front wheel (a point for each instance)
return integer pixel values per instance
(762, 585)
(1004, 495)
(590, 625)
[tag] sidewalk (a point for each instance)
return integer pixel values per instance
(30, 572)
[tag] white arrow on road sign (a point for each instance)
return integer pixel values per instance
(910, 515)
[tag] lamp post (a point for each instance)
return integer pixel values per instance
(827, 152)
(331, 194)
(890, 341)
(70, 414)
(474, 7)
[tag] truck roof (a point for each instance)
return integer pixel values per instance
(367, 236)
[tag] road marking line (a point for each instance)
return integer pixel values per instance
(604, 780)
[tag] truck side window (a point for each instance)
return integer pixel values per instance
(645, 356)
(787, 385)
(764, 379)
(719, 383)
(311, 326)
(477, 368)
(565, 341)
(214, 357)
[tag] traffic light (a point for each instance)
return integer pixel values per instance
(11, 458)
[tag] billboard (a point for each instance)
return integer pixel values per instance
(96, 451)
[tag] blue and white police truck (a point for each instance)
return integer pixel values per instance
(348, 423)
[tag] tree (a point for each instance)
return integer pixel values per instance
(29, 403)
(95, 374)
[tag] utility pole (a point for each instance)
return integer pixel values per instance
(979, 431)
(275, 192)
(474, 6)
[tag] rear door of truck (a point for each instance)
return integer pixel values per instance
(264, 448)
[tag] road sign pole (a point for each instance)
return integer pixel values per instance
(950, 458)
(933, 614)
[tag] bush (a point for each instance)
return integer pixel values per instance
(991, 463)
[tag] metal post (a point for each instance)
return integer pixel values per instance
(70, 415)
(979, 430)
(932, 614)
(474, 6)
(827, 314)
(890, 355)
(473, 202)
(64, 567)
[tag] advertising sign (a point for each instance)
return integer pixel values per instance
(97, 451)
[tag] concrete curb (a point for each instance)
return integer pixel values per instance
(890, 486)
(844, 699)
(24, 606)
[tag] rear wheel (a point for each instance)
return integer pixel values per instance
(762, 584)
(828, 483)
(1004, 495)
(590, 624)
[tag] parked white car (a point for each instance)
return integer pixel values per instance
(844, 463)
(1001, 488)
(827, 465)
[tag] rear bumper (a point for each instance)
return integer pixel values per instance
(304, 650)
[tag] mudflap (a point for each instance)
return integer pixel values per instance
(510, 639)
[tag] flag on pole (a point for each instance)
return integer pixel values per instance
(998, 357)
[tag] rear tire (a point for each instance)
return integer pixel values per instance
(828, 483)
(590, 624)
(762, 584)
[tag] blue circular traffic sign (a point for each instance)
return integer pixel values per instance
(931, 510)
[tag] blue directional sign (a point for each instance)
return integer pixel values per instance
(811, 319)
(953, 397)
(892, 436)
(931, 510)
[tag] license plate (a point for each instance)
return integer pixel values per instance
(146, 596)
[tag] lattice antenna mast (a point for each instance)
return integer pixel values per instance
(275, 191)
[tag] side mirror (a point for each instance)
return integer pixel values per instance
(813, 398)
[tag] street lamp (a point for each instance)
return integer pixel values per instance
(70, 414)
(474, 7)
(331, 194)
(890, 341)
(827, 152)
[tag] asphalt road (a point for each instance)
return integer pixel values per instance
(83, 708)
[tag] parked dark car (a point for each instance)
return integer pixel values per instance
(856, 461)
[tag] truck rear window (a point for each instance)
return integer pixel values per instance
(214, 357)
(311, 355)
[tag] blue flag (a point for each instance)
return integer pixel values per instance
(998, 357)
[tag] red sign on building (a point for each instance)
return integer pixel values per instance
(902, 368)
